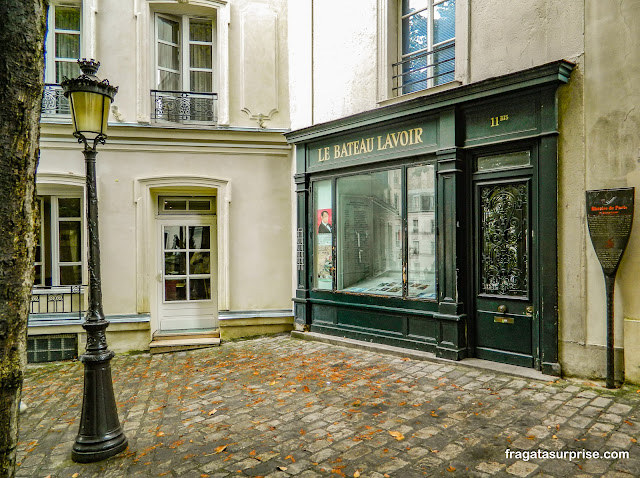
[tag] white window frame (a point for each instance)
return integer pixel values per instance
(144, 49)
(431, 46)
(50, 40)
(389, 38)
(43, 254)
(54, 255)
(183, 49)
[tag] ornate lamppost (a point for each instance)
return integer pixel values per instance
(100, 435)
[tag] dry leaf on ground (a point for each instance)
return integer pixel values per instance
(221, 448)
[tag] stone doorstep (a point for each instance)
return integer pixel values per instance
(180, 344)
(184, 334)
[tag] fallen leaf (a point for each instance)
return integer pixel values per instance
(75, 475)
(628, 422)
(451, 469)
(397, 435)
(221, 448)
(160, 434)
(554, 437)
(282, 468)
(633, 440)
(356, 474)
(204, 476)
(252, 453)
(289, 457)
(306, 389)
(213, 411)
(531, 437)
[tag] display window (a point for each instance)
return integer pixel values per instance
(381, 224)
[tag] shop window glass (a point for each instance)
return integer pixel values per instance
(421, 274)
(369, 233)
(323, 233)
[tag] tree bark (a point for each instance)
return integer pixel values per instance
(21, 82)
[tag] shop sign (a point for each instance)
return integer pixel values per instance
(374, 145)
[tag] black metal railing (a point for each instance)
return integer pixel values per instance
(183, 106)
(53, 100)
(424, 70)
(58, 300)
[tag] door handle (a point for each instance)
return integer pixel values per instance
(502, 309)
(529, 310)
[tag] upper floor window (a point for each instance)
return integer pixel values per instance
(426, 45)
(62, 51)
(62, 42)
(184, 54)
(184, 69)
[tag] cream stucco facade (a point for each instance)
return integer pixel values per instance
(240, 159)
(342, 64)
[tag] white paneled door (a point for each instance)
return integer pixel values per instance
(188, 286)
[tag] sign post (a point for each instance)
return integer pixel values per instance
(609, 218)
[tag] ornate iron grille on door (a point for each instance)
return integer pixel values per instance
(504, 243)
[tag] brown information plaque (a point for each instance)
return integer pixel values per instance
(609, 217)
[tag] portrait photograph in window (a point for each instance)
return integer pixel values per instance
(323, 233)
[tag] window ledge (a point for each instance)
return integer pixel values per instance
(421, 93)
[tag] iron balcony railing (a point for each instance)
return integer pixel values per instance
(53, 100)
(183, 106)
(424, 69)
(58, 300)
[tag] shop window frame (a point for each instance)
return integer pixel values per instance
(333, 176)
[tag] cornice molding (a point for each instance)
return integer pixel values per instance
(550, 74)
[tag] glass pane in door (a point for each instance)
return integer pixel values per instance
(175, 263)
(173, 237)
(187, 269)
(200, 289)
(175, 290)
(504, 239)
(198, 263)
(199, 237)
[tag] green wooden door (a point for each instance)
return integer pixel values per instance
(504, 324)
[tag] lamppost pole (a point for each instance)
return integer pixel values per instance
(100, 435)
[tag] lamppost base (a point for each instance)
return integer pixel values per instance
(86, 452)
(100, 435)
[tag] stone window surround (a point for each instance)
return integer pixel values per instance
(144, 11)
(388, 38)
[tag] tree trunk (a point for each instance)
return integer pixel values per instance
(21, 81)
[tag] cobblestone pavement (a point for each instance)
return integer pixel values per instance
(282, 407)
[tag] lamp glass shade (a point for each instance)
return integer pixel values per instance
(90, 113)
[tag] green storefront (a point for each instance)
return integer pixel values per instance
(431, 224)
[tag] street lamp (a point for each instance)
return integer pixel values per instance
(100, 435)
